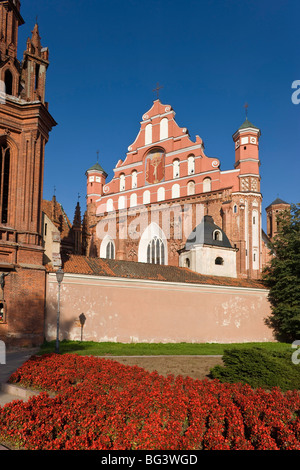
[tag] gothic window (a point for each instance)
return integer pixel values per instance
(4, 182)
(8, 79)
(134, 179)
(176, 170)
(219, 261)
(107, 248)
(164, 133)
(161, 194)
(156, 251)
(122, 182)
(206, 185)
(191, 165)
(110, 250)
(191, 188)
(235, 209)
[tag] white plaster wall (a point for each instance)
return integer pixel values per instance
(202, 260)
(125, 310)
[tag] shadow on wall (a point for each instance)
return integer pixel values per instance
(66, 327)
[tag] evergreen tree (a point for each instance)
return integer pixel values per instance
(282, 276)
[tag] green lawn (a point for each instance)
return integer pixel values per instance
(153, 349)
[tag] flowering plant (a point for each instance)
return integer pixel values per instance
(102, 404)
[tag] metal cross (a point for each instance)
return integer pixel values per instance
(157, 89)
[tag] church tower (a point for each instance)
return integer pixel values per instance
(25, 124)
(247, 201)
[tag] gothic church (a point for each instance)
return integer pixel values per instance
(168, 204)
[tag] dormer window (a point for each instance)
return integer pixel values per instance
(217, 235)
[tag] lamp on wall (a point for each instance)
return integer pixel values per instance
(59, 278)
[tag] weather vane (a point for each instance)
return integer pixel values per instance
(97, 156)
(157, 89)
(246, 106)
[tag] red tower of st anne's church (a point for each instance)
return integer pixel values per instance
(25, 124)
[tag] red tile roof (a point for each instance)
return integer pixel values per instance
(77, 264)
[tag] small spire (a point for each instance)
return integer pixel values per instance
(36, 39)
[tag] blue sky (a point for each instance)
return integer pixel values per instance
(210, 56)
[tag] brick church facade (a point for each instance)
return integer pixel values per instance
(167, 189)
(25, 124)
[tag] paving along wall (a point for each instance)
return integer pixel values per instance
(130, 310)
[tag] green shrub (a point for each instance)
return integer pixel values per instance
(259, 368)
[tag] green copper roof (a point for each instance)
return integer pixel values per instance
(247, 124)
(96, 167)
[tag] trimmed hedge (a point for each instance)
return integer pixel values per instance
(258, 367)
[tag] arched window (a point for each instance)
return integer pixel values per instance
(161, 194)
(217, 235)
(191, 165)
(148, 134)
(134, 179)
(191, 188)
(164, 133)
(176, 169)
(8, 79)
(156, 251)
(110, 250)
(133, 200)
(121, 202)
(206, 185)
(122, 182)
(175, 191)
(146, 197)
(4, 182)
(107, 248)
(235, 208)
(219, 261)
(153, 245)
(110, 205)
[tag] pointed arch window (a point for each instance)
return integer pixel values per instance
(8, 79)
(107, 248)
(4, 182)
(156, 251)
(110, 250)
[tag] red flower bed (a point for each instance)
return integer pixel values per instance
(101, 404)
